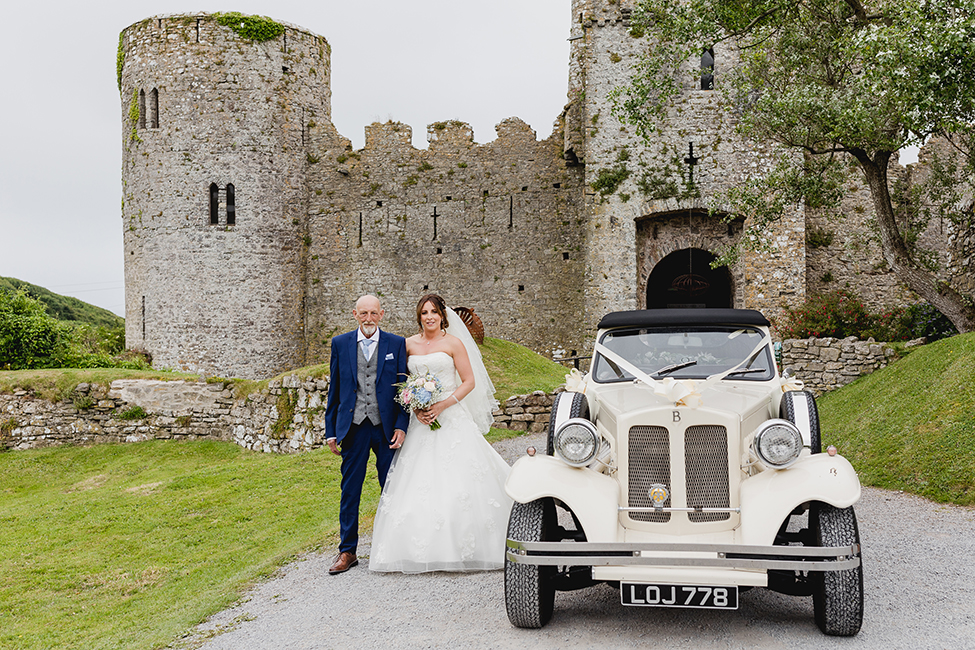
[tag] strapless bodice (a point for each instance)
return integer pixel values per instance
(440, 364)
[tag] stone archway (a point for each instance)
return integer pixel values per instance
(685, 279)
(675, 247)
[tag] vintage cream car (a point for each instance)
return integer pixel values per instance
(684, 469)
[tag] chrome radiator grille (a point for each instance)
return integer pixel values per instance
(706, 460)
(649, 453)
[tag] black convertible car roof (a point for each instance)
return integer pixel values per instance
(671, 317)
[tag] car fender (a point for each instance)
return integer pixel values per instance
(593, 497)
(769, 497)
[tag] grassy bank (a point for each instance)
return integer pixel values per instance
(911, 426)
(127, 546)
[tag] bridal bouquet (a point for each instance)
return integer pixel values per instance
(419, 391)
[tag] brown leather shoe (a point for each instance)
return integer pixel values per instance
(343, 562)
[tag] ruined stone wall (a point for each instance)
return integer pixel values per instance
(495, 227)
(222, 297)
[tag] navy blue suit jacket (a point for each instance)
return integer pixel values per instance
(343, 379)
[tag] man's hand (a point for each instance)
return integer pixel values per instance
(398, 436)
(333, 445)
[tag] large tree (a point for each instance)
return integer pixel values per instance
(832, 78)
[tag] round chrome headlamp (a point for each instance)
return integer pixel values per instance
(778, 443)
(576, 441)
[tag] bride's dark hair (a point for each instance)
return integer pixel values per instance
(438, 305)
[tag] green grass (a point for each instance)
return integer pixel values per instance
(129, 546)
(516, 370)
(56, 384)
(911, 426)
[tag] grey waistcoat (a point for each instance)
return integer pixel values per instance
(366, 404)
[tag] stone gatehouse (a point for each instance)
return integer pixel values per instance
(251, 224)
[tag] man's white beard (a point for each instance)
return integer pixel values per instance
(369, 330)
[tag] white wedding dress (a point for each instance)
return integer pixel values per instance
(444, 507)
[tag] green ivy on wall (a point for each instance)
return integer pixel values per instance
(120, 59)
(252, 28)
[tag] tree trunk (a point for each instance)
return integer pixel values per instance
(956, 306)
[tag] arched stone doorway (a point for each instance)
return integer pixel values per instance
(685, 279)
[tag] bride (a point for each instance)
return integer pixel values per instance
(444, 507)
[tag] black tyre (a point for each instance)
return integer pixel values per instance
(799, 407)
(567, 405)
(837, 595)
(529, 595)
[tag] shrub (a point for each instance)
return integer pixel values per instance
(838, 314)
(29, 338)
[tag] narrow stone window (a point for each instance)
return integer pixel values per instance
(214, 204)
(154, 108)
(231, 205)
(565, 256)
(142, 109)
(524, 188)
(197, 30)
(557, 185)
(521, 288)
(379, 204)
(143, 320)
(485, 192)
(439, 251)
(707, 69)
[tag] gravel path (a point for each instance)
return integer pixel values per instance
(919, 571)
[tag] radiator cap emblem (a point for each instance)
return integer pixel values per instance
(658, 494)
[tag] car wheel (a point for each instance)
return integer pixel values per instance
(799, 408)
(837, 595)
(566, 405)
(529, 595)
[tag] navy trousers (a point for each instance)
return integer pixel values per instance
(355, 457)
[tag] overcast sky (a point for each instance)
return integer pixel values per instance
(416, 62)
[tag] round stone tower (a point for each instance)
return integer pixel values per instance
(215, 113)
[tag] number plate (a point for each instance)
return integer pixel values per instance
(641, 595)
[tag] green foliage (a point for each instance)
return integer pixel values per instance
(841, 313)
(143, 541)
(58, 384)
(837, 314)
(608, 179)
(286, 413)
(909, 426)
(63, 307)
(252, 28)
(29, 338)
(120, 59)
(7, 426)
(132, 413)
(819, 237)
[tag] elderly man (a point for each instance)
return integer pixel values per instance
(362, 413)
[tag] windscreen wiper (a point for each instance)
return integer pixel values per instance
(666, 370)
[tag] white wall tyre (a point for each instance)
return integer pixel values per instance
(567, 405)
(799, 408)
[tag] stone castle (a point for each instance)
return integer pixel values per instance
(251, 224)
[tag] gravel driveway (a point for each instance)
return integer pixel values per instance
(919, 572)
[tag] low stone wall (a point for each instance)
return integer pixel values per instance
(828, 363)
(288, 416)
(530, 413)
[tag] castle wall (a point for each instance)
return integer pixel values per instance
(494, 227)
(222, 297)
(655, 189)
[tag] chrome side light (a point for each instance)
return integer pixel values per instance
(576, 442)
(778, 443)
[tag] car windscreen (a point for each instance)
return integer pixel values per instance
(686, 353)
